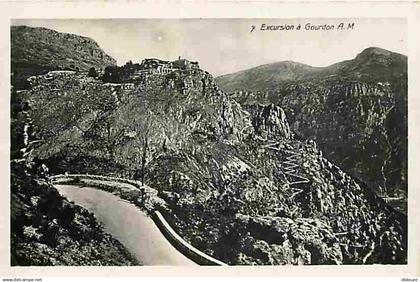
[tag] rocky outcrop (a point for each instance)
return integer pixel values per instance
(270, 121)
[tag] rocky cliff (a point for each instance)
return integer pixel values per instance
(355, 110)
(237, 182)
(39, 50)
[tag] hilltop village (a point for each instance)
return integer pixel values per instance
(180, 74)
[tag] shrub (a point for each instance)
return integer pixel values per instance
(92, 72)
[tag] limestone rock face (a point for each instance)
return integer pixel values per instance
(270, 121)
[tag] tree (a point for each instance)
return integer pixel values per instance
(92, 72)
(112, 74)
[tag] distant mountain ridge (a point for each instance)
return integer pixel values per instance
(373, 62)
(37, 50)
(265, 77)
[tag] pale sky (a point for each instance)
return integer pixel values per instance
(224, 46)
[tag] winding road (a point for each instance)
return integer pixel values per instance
(125, 222)
(290, 168)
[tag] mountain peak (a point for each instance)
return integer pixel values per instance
(281, 65)
(376, 51)
(290, 63)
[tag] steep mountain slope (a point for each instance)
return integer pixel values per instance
(372, 64)
(355, 110)
(39, 50)
(47, 229)
(236, 182)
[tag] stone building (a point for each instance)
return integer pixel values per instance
(156, 66)
(184, 64)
